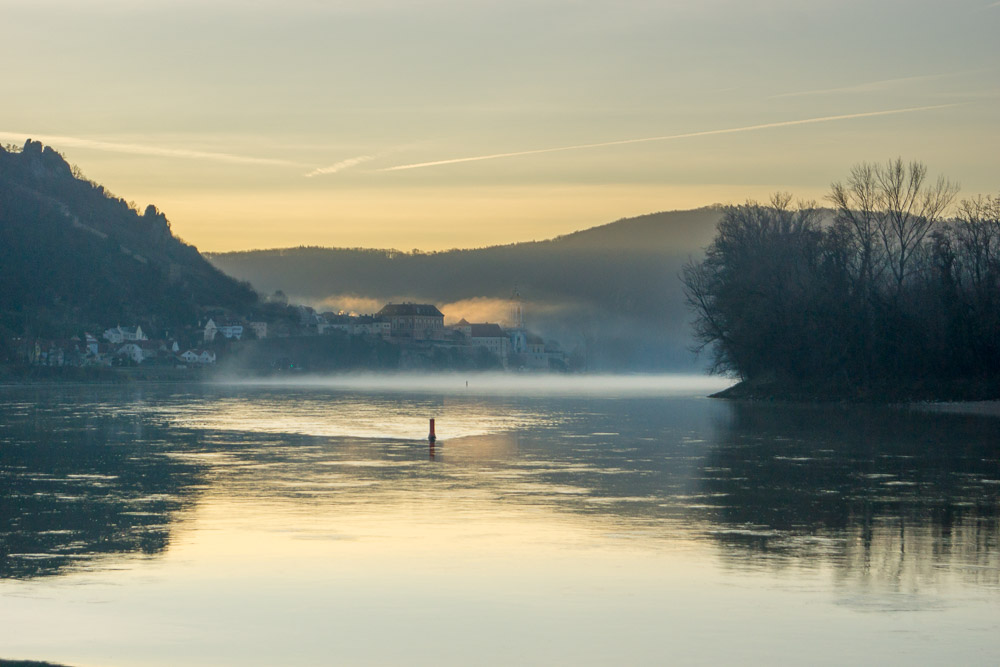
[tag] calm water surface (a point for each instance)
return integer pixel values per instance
(637, 523)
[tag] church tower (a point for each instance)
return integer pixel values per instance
(516, 310)
(516, 331)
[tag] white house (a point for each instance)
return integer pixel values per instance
(210, 330)
(198, 357)
(132, 351)
(231, 330)
(122, 334)
(133, 333)
(490, 336)
(371, 326)
(534, 354)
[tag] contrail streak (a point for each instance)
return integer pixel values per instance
(686, 135)
(340, 166)
(139, 149)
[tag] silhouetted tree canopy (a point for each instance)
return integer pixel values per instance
(887, 297)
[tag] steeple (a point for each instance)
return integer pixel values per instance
(516, 310)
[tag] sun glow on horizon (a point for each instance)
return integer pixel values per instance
(257, 128)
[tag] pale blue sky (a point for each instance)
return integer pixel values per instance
(217, 111)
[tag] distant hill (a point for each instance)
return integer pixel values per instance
(612, 291)
(74, 257)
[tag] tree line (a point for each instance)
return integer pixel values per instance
(887, 294)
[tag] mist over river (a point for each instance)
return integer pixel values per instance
(556, 520)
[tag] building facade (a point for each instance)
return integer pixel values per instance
(416, 321)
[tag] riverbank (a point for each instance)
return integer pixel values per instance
(42, 375)
(955, 391)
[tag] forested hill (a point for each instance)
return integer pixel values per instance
(73, 257)
(612, 289)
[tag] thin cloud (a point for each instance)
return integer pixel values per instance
(869, 87)
(154, 151)
(669, 137)
(340, 166)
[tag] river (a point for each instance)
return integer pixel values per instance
(571, 520)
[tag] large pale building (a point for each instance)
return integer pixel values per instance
(492, 337)
(419, 321)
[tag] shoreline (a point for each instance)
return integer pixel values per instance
(968, 396)
(955, 392)
(69, 375)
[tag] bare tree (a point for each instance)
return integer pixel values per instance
(977, 235)
(889, 210)
(857, 205)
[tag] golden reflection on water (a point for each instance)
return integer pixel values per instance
(431, 530)
(399, 419)
(281, 526)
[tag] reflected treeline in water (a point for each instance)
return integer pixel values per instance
(897, 494)
(82, 479)
(888, 493)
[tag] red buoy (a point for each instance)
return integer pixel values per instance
(431, 436)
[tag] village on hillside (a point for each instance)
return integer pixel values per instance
(417, 330)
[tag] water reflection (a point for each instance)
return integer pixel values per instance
(881, 496)
(78, 485)
(894, 496)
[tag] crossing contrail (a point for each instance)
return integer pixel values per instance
(668, 137)
(141, 149)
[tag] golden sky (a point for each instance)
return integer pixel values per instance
(262, 124)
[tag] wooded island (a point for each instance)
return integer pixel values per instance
(884, 298)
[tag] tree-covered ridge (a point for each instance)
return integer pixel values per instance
(554, 268)
(889, 299)
(75, 257)
(612, 289)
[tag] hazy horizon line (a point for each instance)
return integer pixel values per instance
(718, 205)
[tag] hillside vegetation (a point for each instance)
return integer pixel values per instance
(74, 257)
(611, 291)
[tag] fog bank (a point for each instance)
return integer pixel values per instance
(501, 383)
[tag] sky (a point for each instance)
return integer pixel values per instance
(429, 124)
